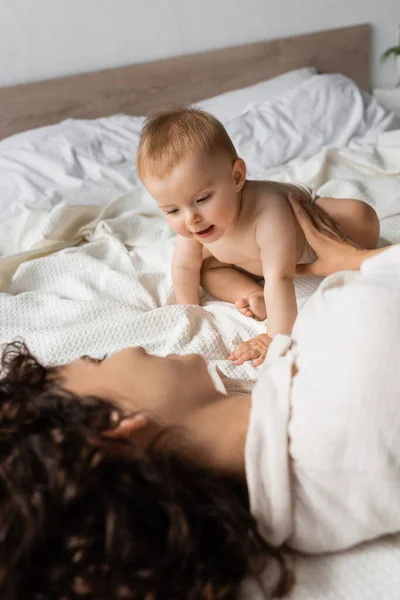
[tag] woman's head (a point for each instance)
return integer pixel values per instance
(86, 516)
(170, 386)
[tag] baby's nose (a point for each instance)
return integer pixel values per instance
(192, 218)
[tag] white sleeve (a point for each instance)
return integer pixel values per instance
(266, 453)
(323, 447)
(345, 409)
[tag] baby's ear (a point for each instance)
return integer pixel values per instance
(239, 173)
(127, 427)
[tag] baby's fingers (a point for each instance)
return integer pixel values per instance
(251, 354)
(243, 353)
(259, 361)
(239, 350)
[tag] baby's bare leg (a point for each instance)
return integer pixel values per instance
(227, 283)
(357, 219)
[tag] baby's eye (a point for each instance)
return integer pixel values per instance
(204, 199)
(173, 211)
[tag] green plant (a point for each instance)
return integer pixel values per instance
(393, 51)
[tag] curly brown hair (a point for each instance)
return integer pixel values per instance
(84, 516)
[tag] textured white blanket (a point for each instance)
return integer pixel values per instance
(110, 287)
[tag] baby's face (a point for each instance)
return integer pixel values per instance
(200, 197)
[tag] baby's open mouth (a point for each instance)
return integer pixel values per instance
(205, 232)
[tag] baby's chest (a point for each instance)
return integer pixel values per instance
(243, 252)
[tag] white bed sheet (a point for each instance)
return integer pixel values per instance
(116, 290)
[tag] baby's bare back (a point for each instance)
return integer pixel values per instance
(262, 201)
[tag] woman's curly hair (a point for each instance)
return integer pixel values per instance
(86, 517)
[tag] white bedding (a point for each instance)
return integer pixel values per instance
(115, 290)
(93, 162)
(232, 104)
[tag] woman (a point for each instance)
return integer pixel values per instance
(132, 477)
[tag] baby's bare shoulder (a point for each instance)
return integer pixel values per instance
(269, 200)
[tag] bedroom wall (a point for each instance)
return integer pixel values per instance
(41, 39)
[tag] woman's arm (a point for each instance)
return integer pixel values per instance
(333, 253)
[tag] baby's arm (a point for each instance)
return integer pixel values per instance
(186, 264)
(276, 238)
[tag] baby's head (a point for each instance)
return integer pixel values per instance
(189, 164)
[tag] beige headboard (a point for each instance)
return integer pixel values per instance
(141, 88)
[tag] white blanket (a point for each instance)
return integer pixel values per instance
(115, 290)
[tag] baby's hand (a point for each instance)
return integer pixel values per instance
(255, 350)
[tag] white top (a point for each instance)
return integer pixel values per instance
(323, 447)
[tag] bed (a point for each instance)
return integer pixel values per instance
(85, 254)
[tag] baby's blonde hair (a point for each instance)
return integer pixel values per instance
(171, 135)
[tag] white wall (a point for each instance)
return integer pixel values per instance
(40, 39)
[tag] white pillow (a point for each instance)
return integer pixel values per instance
(232, 104)
(325, 111)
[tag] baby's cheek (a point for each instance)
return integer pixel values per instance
(181, 229)
(175, 225)
(225, 215)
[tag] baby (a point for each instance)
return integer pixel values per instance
(237, 238)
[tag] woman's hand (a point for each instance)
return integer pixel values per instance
(333, 252)
(255, 349)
